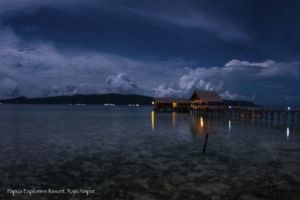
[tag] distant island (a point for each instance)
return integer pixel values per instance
(93, 99)
(100, 99)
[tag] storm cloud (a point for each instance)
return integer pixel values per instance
(37, 69)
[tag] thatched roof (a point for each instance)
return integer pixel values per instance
(205, 95)
(171, 100)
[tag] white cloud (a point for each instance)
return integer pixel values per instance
(165, 91)
(121, 83)
(233, 96)
(239, 63)
(199, 78)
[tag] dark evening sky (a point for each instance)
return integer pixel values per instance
(247, 49)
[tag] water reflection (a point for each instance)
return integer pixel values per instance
(174, 119)
(201, 122)
(198, 126)
(287, 133)
(152, 121)
(229, 126)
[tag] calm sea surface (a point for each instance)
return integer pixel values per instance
(133, 153)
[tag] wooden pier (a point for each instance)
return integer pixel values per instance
(272, 114)
(210, 104)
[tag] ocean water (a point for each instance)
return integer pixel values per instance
(134, 153)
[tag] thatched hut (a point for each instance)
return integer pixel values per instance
(204, 99)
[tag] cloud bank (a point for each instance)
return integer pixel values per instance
(37, 69)
(264, 82)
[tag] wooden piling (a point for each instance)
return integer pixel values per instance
(205, 144)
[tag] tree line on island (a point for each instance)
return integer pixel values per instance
(100, 99)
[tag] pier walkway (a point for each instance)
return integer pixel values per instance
(285, 115)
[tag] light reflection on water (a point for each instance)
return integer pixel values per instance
(201, 122)
(173, 119)
(153, 120)
(229, 126)
(115, 151)
(197, 126)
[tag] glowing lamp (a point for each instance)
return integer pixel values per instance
(174, 104)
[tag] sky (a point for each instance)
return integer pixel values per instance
(248, 50)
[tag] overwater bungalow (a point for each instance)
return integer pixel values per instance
(199, 99)
(205, 99)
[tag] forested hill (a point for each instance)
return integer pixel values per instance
(118, 99)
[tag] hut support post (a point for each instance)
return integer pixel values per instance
(205, 144)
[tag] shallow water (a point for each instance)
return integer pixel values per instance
(133, 153)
